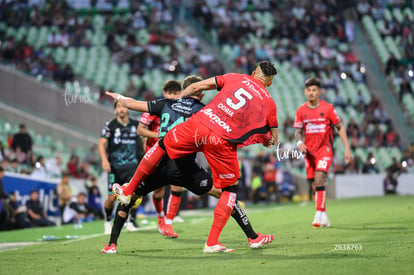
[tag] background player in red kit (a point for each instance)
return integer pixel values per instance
(149, 126)
(242, 108)
(314, 121)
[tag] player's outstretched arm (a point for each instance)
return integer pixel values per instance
(344, 138)
(145, 132)
(198, 87)
(130, 103)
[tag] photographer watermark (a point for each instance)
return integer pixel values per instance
(347, 247)
(287, 154)
(77, 97)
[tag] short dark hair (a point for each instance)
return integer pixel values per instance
(267, 68)
(312, 81)
(1, 169)
(22, 126)
(190, 80)
(172, 85)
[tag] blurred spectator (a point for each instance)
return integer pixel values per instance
(381, 116)
(5, 210)
(392, 138)
(392, 64)
(363, 8)
(390, 184)
(54, 166)
(64, 192)
(338, 100)
(360, 102)
(52, 39)
(377, 11)
(3, 194)
(269, 177)
(72, 166)
(2, 155)
(405, 88)
(256, 190)
(19, 218)
(78, 211)
(35, 211)
(370, 165)
(92, 156)
(22, 142)
(40, 170)
(94, 198)
(13, 166)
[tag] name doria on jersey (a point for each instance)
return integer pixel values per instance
(315, 128)
(213, 117)
(225, 109)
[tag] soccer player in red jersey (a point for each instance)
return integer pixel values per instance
(242, 108)
(314, 121)
(149, 126)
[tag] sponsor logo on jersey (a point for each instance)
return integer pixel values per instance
(204, 183)
(252, 86)
(225, 109)
(227, 176)
(315, 128)
(117, 136)
(181, 108)
(216, 119)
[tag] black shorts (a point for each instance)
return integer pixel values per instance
(183, 172)
(120, 175)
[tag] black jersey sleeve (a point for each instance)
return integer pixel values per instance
(155, 106)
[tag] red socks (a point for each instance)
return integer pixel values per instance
(158, 204)
(320, 200)
(173, 206)
(148, 165)
(222, 214)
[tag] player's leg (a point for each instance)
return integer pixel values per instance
(121, 215)
(311, 191)
(173, 205)
(320, 200)
(109, 204)
(322, 163)
(255, 239)
(222, 214)
(157, 199)
(147, 165)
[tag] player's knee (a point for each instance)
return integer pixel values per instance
(122, 210)
(232, 189)
(159, 193)
(176, 194)
(176, 189)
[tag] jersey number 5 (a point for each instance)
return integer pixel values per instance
(240, 94)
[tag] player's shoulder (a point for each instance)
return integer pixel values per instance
(111, 123)
(325, 104)
(133, 121)
(302, 107)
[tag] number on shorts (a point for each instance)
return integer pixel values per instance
(322, 164)
(240, 94)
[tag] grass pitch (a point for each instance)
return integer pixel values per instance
(368, 236)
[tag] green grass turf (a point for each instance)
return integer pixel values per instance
(383, 227)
